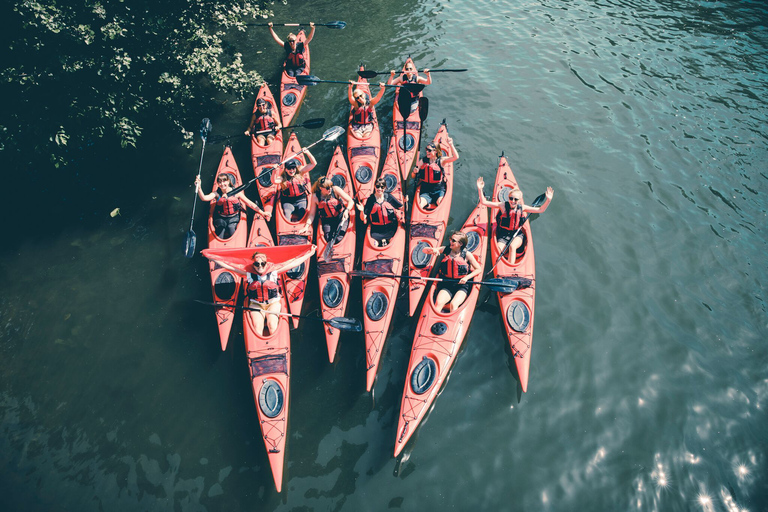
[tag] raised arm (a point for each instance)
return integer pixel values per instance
(230, 267)
(453, 155)
(204, 197)
(311, 32)
(481, 197)
(427, 80)
(274, 36)
(295, 262)
(311, 162)
(541, 209)
(376, 98)
(250, 204)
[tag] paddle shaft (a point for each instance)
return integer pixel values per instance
(199, 170)
(364, 73)
(436, 279)
(340, 322)
(328, 252)
(333, 24)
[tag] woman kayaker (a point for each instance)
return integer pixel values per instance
(333, 205)
(262, 119)
(363, 113)
(430, 173)
(294, 185)
(294, 51)
(226, 212)
(382, 212)
(263, 288)
(410, 76)
(456, 263)
(510, 217)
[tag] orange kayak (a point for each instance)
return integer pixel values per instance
(516, 308)
(364, 153)
(439, 336)
(406, 129)
(269, 357)
(427, 229)
(333, 275)
(291, 93)
(294, 233)
(380, 293)
(265, 157)
(225, 284)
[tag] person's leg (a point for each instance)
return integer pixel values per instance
(257, 319)
(443, 297)
(458, 299)
(272, 320)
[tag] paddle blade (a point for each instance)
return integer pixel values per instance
(314, 123)
(343, 323)
(423, 108)
(404, 104)
(502, 285)
(307, 79)
(539, 200)
(189, 244)
(367, 73)
(338, 25)
(333, 133)
(205, 128)
(414, 89)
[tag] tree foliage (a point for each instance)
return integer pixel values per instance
(83, 73)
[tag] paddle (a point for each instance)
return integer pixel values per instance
(191, 241)
(536, 202)
(333, 24)
(341, 323)
(328, 251)
(316, 122)
(313, 80)
(330, 134)
(367, 73)
(497, 284)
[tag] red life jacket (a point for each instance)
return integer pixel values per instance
(263, 291)
(508, 218)
(227, 206)
(330, 206)
(431, 172)
(264, 122)
(456, 267)
(294, 188)
(382, 213)
(295, 59)
(363, 115)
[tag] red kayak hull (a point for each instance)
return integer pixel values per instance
(364, 154)
(407, 130)
(291, 93)
(266, 157)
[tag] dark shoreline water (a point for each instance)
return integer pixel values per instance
(648, 381)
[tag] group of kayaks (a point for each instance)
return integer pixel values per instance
(438, 335)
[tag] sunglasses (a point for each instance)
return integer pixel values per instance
(222, 180)
(514, 199)
(454, 241)
(259, 264)
(382, 187)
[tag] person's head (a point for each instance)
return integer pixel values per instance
(322, 185)
(224, 181)
(409, 68)
(291, 40)
(458, 240)
(433, 150)
(360, 97)
(259, 262)
(515, 198)
(380, 186)
(262, 105)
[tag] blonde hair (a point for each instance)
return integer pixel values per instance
(321, 182)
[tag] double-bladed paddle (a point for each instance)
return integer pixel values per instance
(313, 80)
(328, 251)
(191, 241)
(368, 73)
(341, 323)
(497, 284)
(310, 124)
(536, 202)
(332, 133)
(333, 24)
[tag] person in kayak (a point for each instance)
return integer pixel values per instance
(263, 288)
(456, 263)
(363, 113)
(226, 210)
(294, 51)
(511, 216)
(382, 212)
(410, 76)
(293, 186)
(333, 205)
(430, 173)
(261, 120)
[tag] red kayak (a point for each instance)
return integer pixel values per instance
(294, 233)
(427, 229)
(291, 93)
(516, 308)
(225, 284)
(364, 153)
(266, 157)
(439, 336)
(406, 129)
(269, 357)
(380, 293)
(333, 275)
